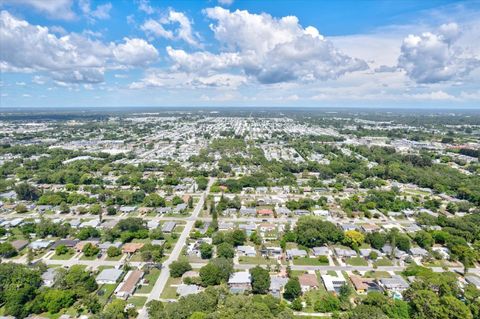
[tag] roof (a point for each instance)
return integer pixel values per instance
(185, 290)
(309, 280)
(168, 226)
(242, 277)
(133, 277)
(109, 275)
(132, 247)
(19, 244)
(359, 283)
(66, 242)
(394, 282)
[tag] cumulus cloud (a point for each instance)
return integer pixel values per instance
(268, 49)
(58, 9)
(226, 2)
(101, 12)
(434, 57)
(135, 52)
(182, 32)
(70, 58)
(155, 78)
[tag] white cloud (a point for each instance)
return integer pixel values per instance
(135, 52)
(70, 58)
(435, 95)
(433, 57)
(172, 79)
(56, 9)
(226, 2)
(154, 27)
(182, 32)
(101, 12)
(268, 49)
(144, 5)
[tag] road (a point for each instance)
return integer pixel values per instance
(165, 272)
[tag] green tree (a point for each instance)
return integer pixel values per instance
(218, 270)
(260, 280)
(225, 250)
(292, 289)
(90, 250)
(178, 268)
(113, 251)
(7, 250)
(206, 250)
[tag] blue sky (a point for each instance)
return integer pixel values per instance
(65, 53)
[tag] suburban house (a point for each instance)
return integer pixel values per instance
(321, 251)
(333, 283)
(168, 227)
(277, 283)
(395, 284)
(128, 286)
(185, 290)
(364, 285)
(295, 253)
(248, 251)
(108, 276)
(240, 282)
(308, 282)
(131, 248)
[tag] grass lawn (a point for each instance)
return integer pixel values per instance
(332, 273)
(308, 262)
(104, 292)
(88, 258)
(356, 261)
(66, 256)
(383, 262)
(257, 260)
(137, 301)
(117, 258)
(152, 278)
(377, 274)
(170, 292)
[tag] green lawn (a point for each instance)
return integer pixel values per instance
(104, 292)
(377, 274)
(88, 258)
(66, 256)
(383, 262)
(117, 258)
(137, 301)
(308, 262)
(356, 261)
(170, 292)
(257, 260)
(152, 278)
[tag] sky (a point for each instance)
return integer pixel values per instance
(112, 53)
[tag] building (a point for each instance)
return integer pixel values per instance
(131, 248)
(128, 286)
(364, 285)
(40, 244)
(248, 251)
(185, 290)
(19, 244)
(296, 253)
(108, 276)
(321, 251)
(308, 282)
(240, 282)
(333, 283)
(168, 227)
(394, 284)
(277, 283)
(48, 277)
